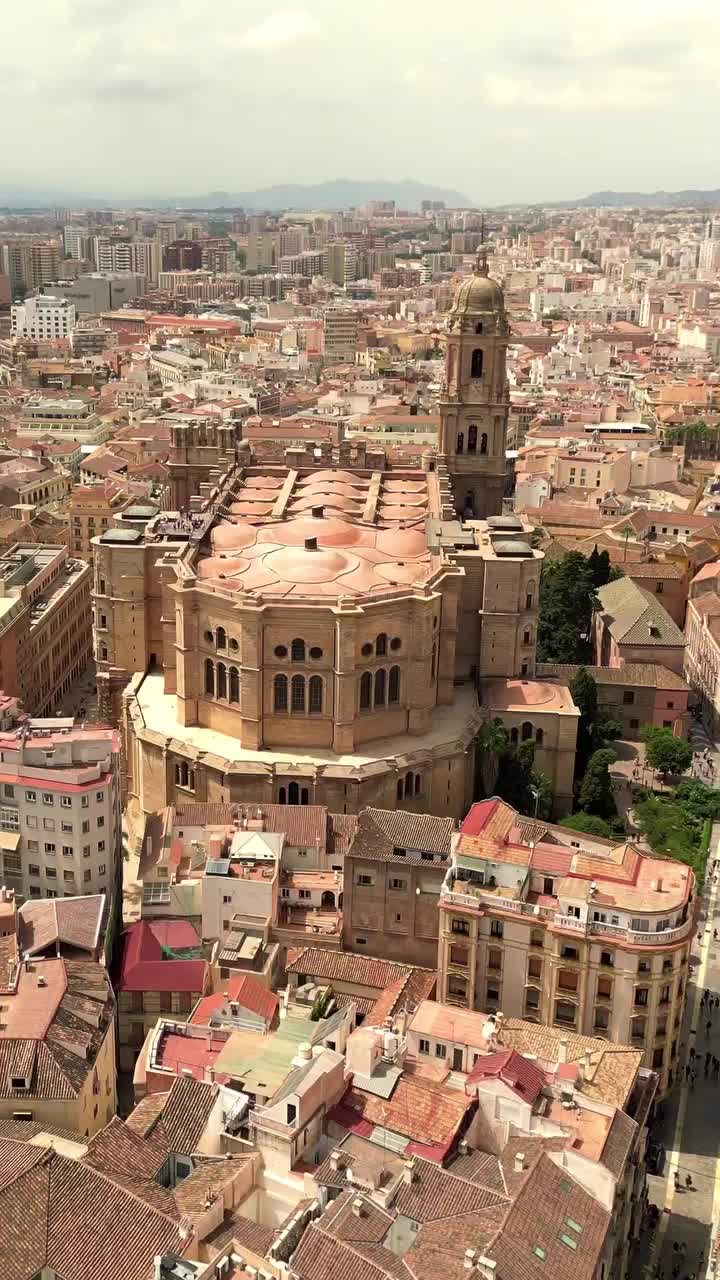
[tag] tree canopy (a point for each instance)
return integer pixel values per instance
(676, 826)
(508, 770)
(664, 751)
(596, 793)
(567, 600)
(591, 825)
(596, 729)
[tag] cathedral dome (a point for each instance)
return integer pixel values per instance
(478, 295)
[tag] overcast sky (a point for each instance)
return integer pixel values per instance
(512, 100)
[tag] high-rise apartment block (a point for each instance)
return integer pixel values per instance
(60, 815)
(30, 263)
(45, 318)
(45, 625)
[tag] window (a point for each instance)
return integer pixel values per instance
(398, 886)
(209, 677)
(460, 926)
(221, 690)
(87, 875)
(526, 732)
(315, 695)
(394, 684)
(280, 693)
(641, 996)
(85, 827)
(8, 790)
(424, 1046)
(628, 697)
(31, 797)
(484, 442)
(49, 848)
(381, 645)
(101, 821)
(51, 873)
(68, 851)
(476, 363)
(472, 439)
(494, 962)
(33, 870)
(380, 682)
(101, 846)
(366, 686)
(634, 724)
(496, 928)
(365, 878)
(297, 650)
(102, 869)
(66, 828)
(234, 685)
(440, 1050)
(49, 824)
(48, 797)
(659, 588)
(607, 958)
(280, 651)
(459, 956)
(297, 695)
(220, 638)
(460, 442)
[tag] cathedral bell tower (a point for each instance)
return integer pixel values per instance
(474, 407)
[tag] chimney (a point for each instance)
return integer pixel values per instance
(311, 544)
(335, 1160)
(317, 513)
(563, 1050)
(470, 1256)
(588, 1060)
(520, 1162)
(357, 1208)
(408, 1172)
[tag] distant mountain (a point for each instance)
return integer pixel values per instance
(342, 193)
(648, 199)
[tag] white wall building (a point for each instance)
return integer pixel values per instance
(60, 813)
(45, 317)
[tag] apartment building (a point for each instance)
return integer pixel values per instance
(340, 336)
(702, 636)
(540, 922)
(393, 874)
(163, 972)
(46, 318)
(60, 826)
(30, 263)
(67, 419)
(45, 624)
(139, 257)
(91, 510)
(636, 694)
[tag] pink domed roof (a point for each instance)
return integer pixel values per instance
(330, 501)
(256, 509)
(216, 566)
(346, 476)
(330, 532)
(404, 500)
(265, 482)
(402, 542)
(399, 513)
(296, 564)
(401, 574)
(404, 486)
(233, 536)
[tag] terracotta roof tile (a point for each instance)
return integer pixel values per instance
(342, 966)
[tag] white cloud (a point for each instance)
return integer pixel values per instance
(617, 91)
(281, 28)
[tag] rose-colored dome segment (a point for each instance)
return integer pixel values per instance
(399, 513)
(264, 482)
(403, 574)
(297, 564)
(345, 477)
(403, 486)
(402, 542)
(332, 502)
(232, 537)
(256, 509)
(216, 565)
(330, 532)
(403, 500)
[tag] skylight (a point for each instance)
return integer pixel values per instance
(574, 1226)
(539, 1252)
(568, 1240)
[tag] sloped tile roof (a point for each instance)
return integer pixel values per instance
(632, 615)
(380, 831)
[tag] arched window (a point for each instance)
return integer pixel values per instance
(280, 696)
(220, 638)
(103, 652)
(460, 442)
(433, 663)
(381, 645)
(514, 735)
(476, 366)
(222, 680)
(408, 784)
(209, 677)
(394, 685)
(366, 685)
(526, 636)
(472, 439)
(539, 736)
(399, 791)
(315, 698)
(297, 696)
(282, 796)
(234, 685)
(294, 791)
(297, 650)
(530, 597)
(527, 731)
(304, 796)
(417, 784)
(478, 327)
(483, 442)
(380, 688)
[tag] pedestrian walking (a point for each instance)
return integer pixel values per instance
(708, 1056)
(688, 1182)
(708, 1027)
(692, 1053)
(717, 998)
(715, 935)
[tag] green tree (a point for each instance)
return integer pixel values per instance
(567, 600)
(595, 729)
(491, 744)
(596, 794)
(665, 752)
(587, 822)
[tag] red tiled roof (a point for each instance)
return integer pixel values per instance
(143, 965)
(522, 1076)
(249, 992)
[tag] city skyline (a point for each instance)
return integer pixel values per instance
(567, 109)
